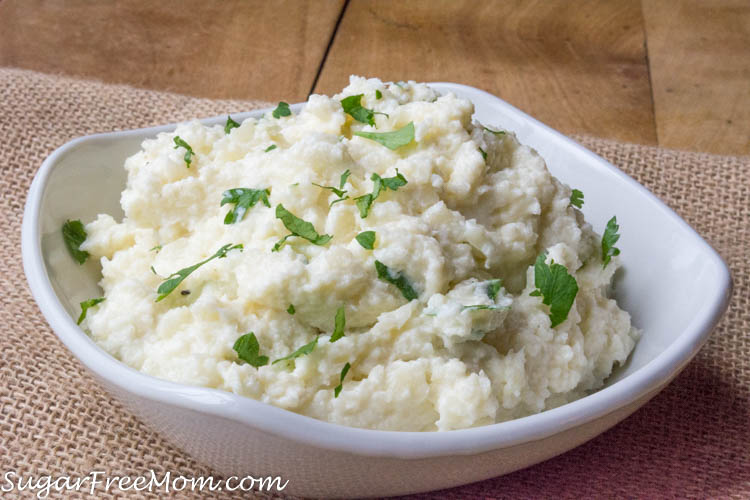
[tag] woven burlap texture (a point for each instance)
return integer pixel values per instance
(693, 439)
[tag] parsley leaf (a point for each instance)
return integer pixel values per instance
(609, 238)
(270, 148)
(493, 286)
(248, 350)
(85, 305)
(157, 249)
(243, 200)
(391, 140)
(344, 177)
(291, 309)
(74, 235)
(281, 110)
(557, 287)
(353, 107)
(302, 351)
(344, 371)
(179, 143)
(378, 94)
(365, 201)
(174, 279)
(576, 198)
(398, 279)
(298, 227)
(484, 154)
(230, 125)
(366, 239)
(496, 132)
(340, 324)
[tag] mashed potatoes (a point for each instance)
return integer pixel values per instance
(476, 207)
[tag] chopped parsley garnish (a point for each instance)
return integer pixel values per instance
(281, 110)
(378, 95)
(396, 278)
(496, 132)
(156, 249)
(353, 107)
(248, 350)
(339, 191)
(391, 140)
(243, 200)
(85, 305)
(609, 238)
(576, 198)
(340, 324)
(74, 235)
(477, 307)
(291, 309)
(493, 286)
(337, 389)
(366, 239)
(365, 201)
(298, 227)
(230, 124)
(179, 143)
(556, 286)
(174, 279)
(484, 153)
(302, 351)
(270, 148)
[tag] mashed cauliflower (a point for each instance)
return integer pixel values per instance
(466, 352)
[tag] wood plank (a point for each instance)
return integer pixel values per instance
(580, 67)
(230, 49)
(700, 71)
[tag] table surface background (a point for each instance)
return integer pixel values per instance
(670, 72)
(674, 73)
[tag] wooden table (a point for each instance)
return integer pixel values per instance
(669, 72)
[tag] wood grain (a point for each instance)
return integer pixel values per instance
(228, 49)
(700, 69)
(580, 67)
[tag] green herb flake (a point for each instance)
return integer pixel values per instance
(230, 124)
(339, 324)
(156, 249)
(74, 235)
(493, 286)
(556, 286)
(302, 351)
(479, 307)
(298, 227)
(291, 310)
(270, 148)
(337, 389)
(243, 199)
(248, 350)
(174, 279)
(484, 153)
(609, 238)
(391, 140)
(364, 202)
(378, 95)
(85, 305)
(576, 198)
(496, 132)
(281, 110)
(366, 239)
(395, 278)
(179, 143)
(353, 107)
(338, 191)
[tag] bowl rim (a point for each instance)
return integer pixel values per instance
(376, 443)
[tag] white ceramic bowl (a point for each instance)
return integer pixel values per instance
(674, 285)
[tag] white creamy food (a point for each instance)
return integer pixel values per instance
(461, 220)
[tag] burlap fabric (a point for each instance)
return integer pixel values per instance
(693, 440)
